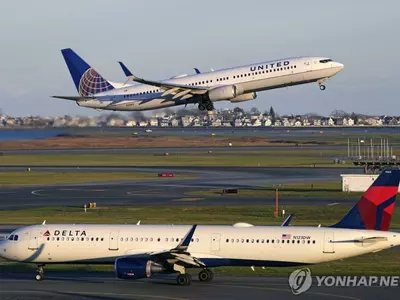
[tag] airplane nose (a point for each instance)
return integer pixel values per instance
(338, 66)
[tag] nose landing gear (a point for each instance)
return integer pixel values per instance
(322, 87)
(39, 273)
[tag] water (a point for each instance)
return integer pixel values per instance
(28, 134)
(274, 133)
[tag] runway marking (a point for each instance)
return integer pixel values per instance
(85, 190)
(94, 293)
(187, 199)
(284, 290)
(37, 192)
(332, 204)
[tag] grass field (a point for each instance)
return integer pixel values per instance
(303, 190)
(381, 263)
(258, 215)
(48, 178)
(287, 158)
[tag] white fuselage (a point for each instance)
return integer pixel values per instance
(248, 79)
(215, 245)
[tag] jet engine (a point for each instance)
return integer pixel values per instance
(133, 268)
(244, 97)
(224, 93)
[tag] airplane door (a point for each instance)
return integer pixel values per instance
(33, 240)
(113, 243)
(215, 242)
(329, 246)
(307, 65)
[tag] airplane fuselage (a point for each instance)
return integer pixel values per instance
(215, 245)
(248, 80)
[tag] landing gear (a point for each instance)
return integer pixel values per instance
(206, 105)
(184, 279)
(209, 105)
(206, 275)
(322, 87)
(39, 273)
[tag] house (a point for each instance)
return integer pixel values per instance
(268, 123)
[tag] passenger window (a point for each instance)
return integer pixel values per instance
(227, 240)
(72, 239)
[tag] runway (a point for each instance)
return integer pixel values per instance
(170, 191)
(84, 285)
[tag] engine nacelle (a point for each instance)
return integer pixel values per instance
(224, 93)
(133, 268)
(244, 97)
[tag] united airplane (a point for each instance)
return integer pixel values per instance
(234, 84)
(139, 251)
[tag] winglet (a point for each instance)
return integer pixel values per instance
(44, 222)
(288, 220)
(125, 69)
(184, 244)
(197, 71)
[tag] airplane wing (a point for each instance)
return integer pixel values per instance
(288, 220)
(179, 253)
(177, 90)
(373, 239)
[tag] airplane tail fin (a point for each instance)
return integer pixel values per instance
(86, 79)
(375, 208)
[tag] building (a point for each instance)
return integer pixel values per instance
(357, 182)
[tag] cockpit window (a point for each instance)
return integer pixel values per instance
(324, 61)
(13, 237)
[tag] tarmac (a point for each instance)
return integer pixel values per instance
(85, 285)
(170, 191)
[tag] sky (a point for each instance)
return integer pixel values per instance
(160, 39)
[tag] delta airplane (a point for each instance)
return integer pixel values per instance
(138, 251)
(235, 84)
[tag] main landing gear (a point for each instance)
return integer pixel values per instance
(39, 273)
(184, 279)
(322, 87)
(206, 275)
(206, 105)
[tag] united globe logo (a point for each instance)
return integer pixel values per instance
(92, 83)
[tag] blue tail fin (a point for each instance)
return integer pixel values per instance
(86, 79)
(375, 208)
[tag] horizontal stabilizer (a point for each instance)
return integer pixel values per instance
(73, 98)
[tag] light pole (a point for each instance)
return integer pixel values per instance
(276, 186)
